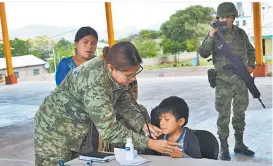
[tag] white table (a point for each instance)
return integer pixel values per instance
(168, 161)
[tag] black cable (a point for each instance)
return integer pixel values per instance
(140, 110)
(63, 33)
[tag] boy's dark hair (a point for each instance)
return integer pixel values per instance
(175, 105)
(155, 117)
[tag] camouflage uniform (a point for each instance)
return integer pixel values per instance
(91, 142)
(87, 95)
(230, 89)
(226, 89)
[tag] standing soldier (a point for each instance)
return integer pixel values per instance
(229, 88)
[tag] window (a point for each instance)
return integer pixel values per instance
(16, 74)
(244, 22)
(36, 72)
(237, 23)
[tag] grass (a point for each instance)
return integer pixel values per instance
(182, 63)
(204, 62)
(159, 66)
(188, 63)
(268, 61)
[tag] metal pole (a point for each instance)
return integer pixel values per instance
(109, 21)
(59, 58)
(54, 58)
(261, 69)
(11, 78)
(258, 32)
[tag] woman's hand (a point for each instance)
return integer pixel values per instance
(167, 147)
(155, 131)
(177, 154)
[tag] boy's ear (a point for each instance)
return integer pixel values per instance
(181, 121)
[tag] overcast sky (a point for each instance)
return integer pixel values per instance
(139, 14)
(128, 17)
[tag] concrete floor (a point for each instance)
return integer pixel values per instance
(18, 104)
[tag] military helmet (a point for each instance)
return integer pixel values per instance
(226, 9)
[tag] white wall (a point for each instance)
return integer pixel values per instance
(25, 72)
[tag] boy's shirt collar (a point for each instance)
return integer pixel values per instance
(180, 139)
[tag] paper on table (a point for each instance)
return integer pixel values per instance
(97, 156)
(120, 157)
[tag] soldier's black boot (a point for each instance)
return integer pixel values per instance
(240, 147)
(224, 152)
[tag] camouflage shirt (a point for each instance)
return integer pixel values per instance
(88, 94)
(237, 40)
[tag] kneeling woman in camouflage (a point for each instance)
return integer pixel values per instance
(89, 94)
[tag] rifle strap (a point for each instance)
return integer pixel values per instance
(239, 67)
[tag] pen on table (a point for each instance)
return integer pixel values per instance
(88, 163)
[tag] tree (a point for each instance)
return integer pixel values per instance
(188, 26)
(103, 41)
(143, 34)
(172, 47)
(147, 48)
(41, 46)
(63, 48)
(149, 34)
(146, 43)
(19, 47)
(130, 38)
(1, 50)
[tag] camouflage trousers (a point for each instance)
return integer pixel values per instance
(225, 95)
(49, 150)
(46, 156)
